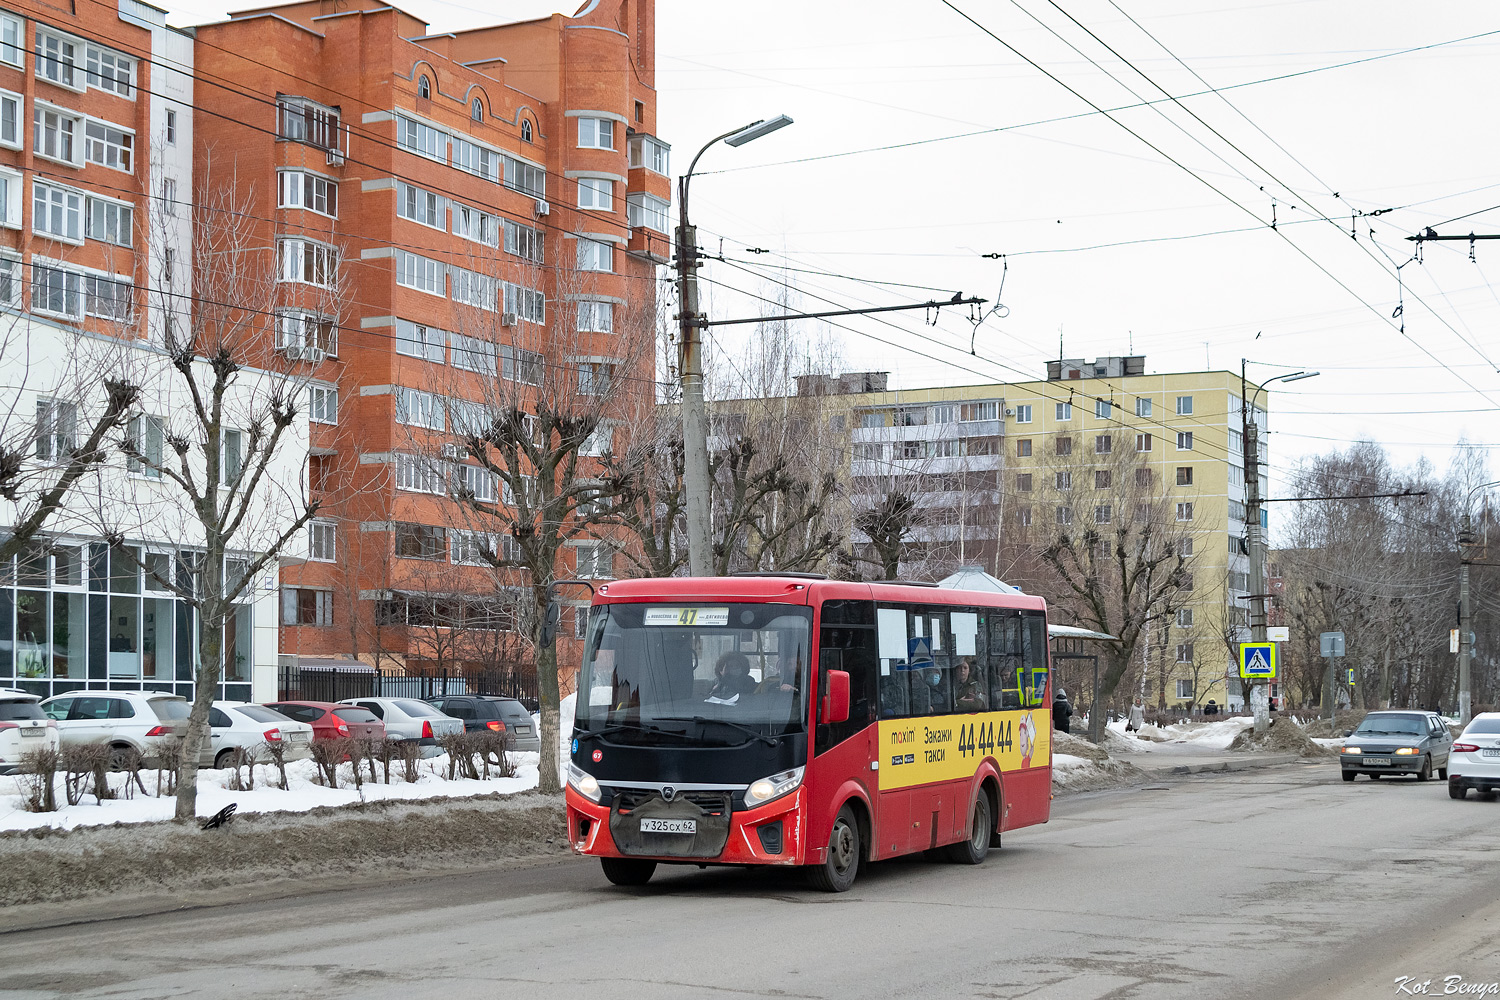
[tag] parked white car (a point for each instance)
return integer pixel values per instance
(1475, 760)
(239, 725)
(120, 719)
(23, 727)
(409, 719)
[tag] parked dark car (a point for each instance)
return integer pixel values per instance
(487, 711)
(330, 721)
(1412, 743)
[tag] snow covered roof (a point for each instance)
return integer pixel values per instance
(975, 578)
(1074, 632)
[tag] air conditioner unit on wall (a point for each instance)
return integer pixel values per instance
(542, 208)
(455, 451)
(507, 319)
(335, 158)
(1010, 411)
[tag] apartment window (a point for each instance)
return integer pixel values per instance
(420, 205)
(1236, 475)
(594, 255)
(1184, 475)
(422, 273)
(1102, 514)
(11, 106)
(596, 560)
(1064, 411)
(421, 541)
(1236, 510)
(1184, 512)
(1065, 515)
(305, 606)
(1184, 617)
(1103, 408)
(474, 355)
(1184, 655)
(1184, 440)
(231, 456)
(596, 317)
(300, 189)
(1185, 689)
(323, 404)
(642, 211)
(476, 109)
(527, 178)
(110, 221)
(1062, 480)
(171, 127)
(419, 409)
(416, 340)
(525, 130)
(521, 366)
(1185, 548)
(56, 430)
(57, 211)
(10, 281)
(1103, 443)
(987, 410)
(913, 449)
(424, 87)
(1103, 479)
(56, 59)
(421, 138)
(476, 159)
(1143, 442)
(527, 303)
(169, 196)
(1023, 448)
(469, 547)
(651, 153)
(418, 474)
(1184, 406)
(109, 147)
(596, 133)
(596, 193)
(310, 263)
(1064, 445)
(302, 120)
(146, 439)
(1023, 517)
(477, 482)
(472, 224)
(56, 291)
(11, 41)
(473, 288)
(523, 241)
(594, 378)
(109, 298)
(1143, 407)
(1236, 443)
(1023, 414)
(1023, 482)
(55, 134)
(109, 70)
(303, 334)
(1144, 478)
(322, 541)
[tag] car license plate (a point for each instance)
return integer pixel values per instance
(40, 731)
(1369, 761)
(523, 729)
(669, 826)
(1490, 752)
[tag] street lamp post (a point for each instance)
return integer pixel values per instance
(1255, 537)
(1465, 621)
(695, 477)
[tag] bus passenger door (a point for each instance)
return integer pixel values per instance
(845, 750)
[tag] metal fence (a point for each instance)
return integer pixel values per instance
(336, 685)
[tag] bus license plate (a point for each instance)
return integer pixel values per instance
(669, 826)
(1369, 761)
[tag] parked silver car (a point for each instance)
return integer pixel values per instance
(238, 725)
(120, 719)
(409, 719)
(23, 727)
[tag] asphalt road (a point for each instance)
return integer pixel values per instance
(1279, 883)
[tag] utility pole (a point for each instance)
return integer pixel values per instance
(1465, 621)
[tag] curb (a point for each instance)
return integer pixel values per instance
(1269, 760)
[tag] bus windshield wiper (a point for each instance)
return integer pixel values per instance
(754, 733)
(624, 726)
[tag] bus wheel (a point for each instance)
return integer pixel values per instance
(627, 871)
(841, 864)
(973, 850)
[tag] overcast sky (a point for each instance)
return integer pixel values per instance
(1411, 136)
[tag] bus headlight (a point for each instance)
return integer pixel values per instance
(583, 783)
(765, 789)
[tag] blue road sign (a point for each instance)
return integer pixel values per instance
(1258, 659)
(918, 654)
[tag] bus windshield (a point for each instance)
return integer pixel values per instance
(715, 674)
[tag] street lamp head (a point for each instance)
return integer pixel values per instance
(755, 130)
(1299, 376)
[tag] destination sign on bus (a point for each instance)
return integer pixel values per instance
(686, 617)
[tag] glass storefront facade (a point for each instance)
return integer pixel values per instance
(84, 614)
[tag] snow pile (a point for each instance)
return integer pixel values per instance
(1082, 774)
(1283, 736)
(1217, 735)
(303, 793)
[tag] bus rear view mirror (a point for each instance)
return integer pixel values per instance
(835, 705)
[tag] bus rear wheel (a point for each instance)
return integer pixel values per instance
(627, 871)
(841, 861)
(973, 850)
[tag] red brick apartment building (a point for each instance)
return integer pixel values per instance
(458, 217)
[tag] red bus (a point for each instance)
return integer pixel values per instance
(794, 720)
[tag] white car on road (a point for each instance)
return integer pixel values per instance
(1475, 760)
(23, 727)
(239, 725)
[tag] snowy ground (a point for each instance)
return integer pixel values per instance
(303, 794)
(1194, 735)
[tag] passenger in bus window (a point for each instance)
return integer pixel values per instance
(733, 673)
(893, 700)
(968, 692)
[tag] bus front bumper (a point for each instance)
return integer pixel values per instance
(772, 834)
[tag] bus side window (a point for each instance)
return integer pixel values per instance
(1004, 659)
(894, 703)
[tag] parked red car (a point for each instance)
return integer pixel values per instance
(330, 721)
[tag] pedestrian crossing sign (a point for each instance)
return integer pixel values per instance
(1258, 660)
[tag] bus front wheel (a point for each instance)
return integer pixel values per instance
(841, 861)
(972, 850)
(627, 871)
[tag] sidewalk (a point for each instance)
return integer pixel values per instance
(1164, 761)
